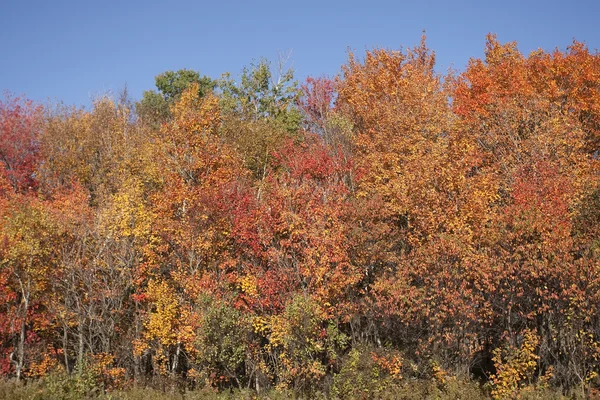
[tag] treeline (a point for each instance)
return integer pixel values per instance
(347, 235)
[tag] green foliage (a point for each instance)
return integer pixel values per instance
(411, 390)
(260, 112)
(58, 385)
(307, 344)
(172, 84)
(222, 343)
(63, 386)
(14, 390)
(360, 376)
(260, 95)
(154, 106)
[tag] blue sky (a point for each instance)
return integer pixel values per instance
(75, 50)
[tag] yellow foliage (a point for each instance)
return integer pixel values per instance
(392, 364)
(439, 374)
(279, 331)
(127, 214)
(261, 325)
(163, 322)
(197, 114)
(46, 365)
(248, 285)
(139, 347)
(515, 366)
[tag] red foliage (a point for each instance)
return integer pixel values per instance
(20, 124)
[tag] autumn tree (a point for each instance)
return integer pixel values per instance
(525, 124)
(154, 107)
(191, 229)
(28, 263)
(321, 116)
(259, 112)
(20, 127)
(354, 235)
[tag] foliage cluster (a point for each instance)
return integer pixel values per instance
(388, 233)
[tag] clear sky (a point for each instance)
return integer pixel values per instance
(76, 49)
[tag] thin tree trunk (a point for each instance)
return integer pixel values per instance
(65, 348)
(21, 347)
(175, 363)
(80, 349)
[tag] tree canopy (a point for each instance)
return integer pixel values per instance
(387, 231)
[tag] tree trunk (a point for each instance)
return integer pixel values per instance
(80, 349)
(65, 348)
(20, 362)
(175, 363)
(21, 347)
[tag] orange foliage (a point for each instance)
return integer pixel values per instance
(451, 223)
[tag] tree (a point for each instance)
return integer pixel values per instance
(154, 106)
(20, 128)
(317, 104)
(27, 262)
(531, 131)
(99, 149)
(190, 227)
(259, 112)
